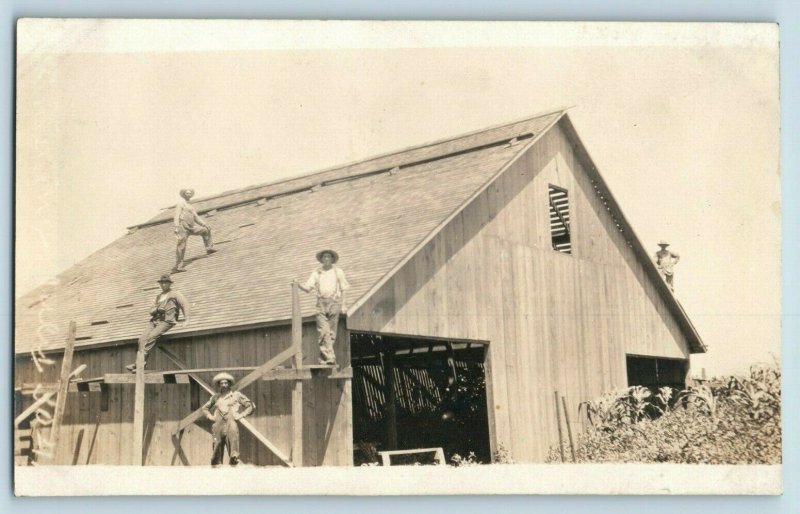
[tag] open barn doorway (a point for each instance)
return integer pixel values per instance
(411, 393)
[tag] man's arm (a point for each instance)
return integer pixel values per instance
(184, 306)
(176, 219)
(207, 408)
(245, 402)
(310, 283)
(198, 219)
(675, 258)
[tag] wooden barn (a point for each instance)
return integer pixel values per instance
(488, 271)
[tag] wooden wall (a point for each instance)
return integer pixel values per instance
(91, 436)
(554, 321)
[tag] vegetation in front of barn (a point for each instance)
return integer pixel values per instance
(731, 421)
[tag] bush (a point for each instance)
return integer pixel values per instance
(737, 421)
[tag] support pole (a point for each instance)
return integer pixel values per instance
(297, 388)
(391, 402)
(569, 428)
(63, 389)
(138, 411)
(558, 422)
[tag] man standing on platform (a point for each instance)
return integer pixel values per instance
(330, 284)
(163, 316)
(188, 223)
(226, 408)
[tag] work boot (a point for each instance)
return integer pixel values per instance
(210, 251)
(234, 461)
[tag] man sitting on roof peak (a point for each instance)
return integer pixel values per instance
(665, 262)
(330, 284)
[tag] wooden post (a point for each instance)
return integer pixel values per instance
(391, 403)
(297, 388)
(63, 389)
(569, 428)
(558, 422)
(138, 411)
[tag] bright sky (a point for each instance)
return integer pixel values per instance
(113, 118)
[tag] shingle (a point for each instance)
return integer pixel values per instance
(372, 220)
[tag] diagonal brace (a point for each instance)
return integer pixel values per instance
(245, 423)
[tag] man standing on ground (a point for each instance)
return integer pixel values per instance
(163, 316)
(665, 262)
(330, 284)
(226, 408)
(188, 223)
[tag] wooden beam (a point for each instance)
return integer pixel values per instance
(127, 378)
(391, 401)
(297, 387)
(244, 382)
(178, 435)
(34, 406)
(138, 411)
(181, 364)
(63, 389)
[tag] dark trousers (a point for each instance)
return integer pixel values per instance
(225, 434)
(183, 237)
(149, 338)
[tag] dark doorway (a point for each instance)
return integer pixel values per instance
(411, 393)
(653, 372)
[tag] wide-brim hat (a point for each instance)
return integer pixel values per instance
(663, 243)
(183, 192)
(323, 252)
(222, 376)
(165, 278)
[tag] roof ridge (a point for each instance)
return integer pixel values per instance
(373, 157)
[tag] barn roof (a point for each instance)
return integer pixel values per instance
(373, 212)
(376, 213)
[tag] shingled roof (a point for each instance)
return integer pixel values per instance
(374, 212)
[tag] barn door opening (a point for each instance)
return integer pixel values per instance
(411, 393)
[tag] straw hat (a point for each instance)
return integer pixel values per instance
(333, 254)
(222, 376)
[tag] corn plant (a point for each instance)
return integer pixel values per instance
(702, 398)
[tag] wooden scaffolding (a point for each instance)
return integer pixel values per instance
(272, 369)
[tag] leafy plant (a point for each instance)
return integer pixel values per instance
(502, 455)
(735, 420)
(470, 460)
(701, 397)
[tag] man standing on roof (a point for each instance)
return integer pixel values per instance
(163, 316)
(330, 284)
(188, 223)
(226, 408)
(665, 261)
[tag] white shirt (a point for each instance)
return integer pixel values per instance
(328, 284)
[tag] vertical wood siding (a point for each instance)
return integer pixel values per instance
(94, 437)
(554, 321)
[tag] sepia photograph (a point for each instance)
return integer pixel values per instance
(396, 257)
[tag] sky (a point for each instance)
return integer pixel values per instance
(113, 118)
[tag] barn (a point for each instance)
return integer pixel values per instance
(491, 273)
